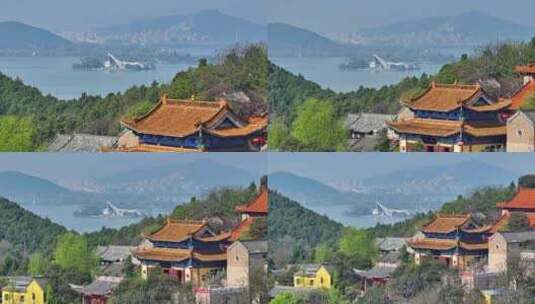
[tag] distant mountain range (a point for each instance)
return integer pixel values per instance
(205, 27)
(418, 189)
(20, 36)
(15, 184)
(427, 34)
(452, 178)
(175, 182)
(289, 40)
(467, 29)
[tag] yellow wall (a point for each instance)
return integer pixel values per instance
(34, 295)
(13, 297)
(322, 279)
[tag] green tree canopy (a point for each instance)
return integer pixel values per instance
(16, 134)
(37, 264)
(278, 134)
(317, 127)
(287, 298)
(359, 244)
(73, 252)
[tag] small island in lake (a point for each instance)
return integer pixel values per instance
(109, 211)
(112, 64)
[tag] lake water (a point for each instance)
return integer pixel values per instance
(55, 76)
(339, 213)
(64, 215)
(325, 72)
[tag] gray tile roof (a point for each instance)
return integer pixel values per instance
(113, 269)
(256, 247)
(114, 253)
(310, 270)
(81, 143)
(367, 122)
(392, 257)
(390, 243)
(102, 286)
(20, 283)
(381, 271)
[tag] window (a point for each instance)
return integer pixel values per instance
(237, 258)
(519, 132)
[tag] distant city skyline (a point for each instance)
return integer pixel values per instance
(339, 167)
(346, 16)
(82, 166)
(69, 15)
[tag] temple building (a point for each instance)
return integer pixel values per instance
(522, 201)
(188, 251)
(185, 125)
(257, 208)
(453, 118)
(455, 240)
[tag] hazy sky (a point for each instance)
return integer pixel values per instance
(79, 166)
(64, 15)
(342, 15)
(328, 167)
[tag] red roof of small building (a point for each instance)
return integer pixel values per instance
(520, 97)
(524, 199)
(258, 205)
(525, 69)
(243, 228)
(500, 224)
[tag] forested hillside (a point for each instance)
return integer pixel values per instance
(29, 120)
(26, 231)
(295, 231)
